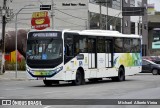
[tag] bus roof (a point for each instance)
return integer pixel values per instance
(107, 33)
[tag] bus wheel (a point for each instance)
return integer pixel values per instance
(121, 75)
(155, 72)
(47, 82)
(79, 79)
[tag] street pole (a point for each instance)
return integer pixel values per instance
(17, 34)
(16, 43)
(52, 14)
(100, 12)
(100, 20)
(3, 37)
(115, 22)
(107, 17)
(139, 25)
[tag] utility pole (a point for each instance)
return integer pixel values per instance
(100, 19)
(3, 36)
(52, 14)
(6, 13)
(107, 16)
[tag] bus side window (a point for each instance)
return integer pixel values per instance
(118, 45)
(69, 45)
(136, 46)
(68, 49)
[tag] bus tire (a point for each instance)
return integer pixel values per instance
(47, 82)
(79, 79)
(121, 75)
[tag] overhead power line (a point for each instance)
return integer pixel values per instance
(71, 15)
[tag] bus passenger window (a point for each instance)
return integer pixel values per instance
(127, 45)
(136, 46)
(69, 50)
(118, 45)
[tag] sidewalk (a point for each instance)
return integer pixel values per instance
(11, 75)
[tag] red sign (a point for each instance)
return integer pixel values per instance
(40, 20)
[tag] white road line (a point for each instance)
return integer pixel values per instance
(15, 89)
(47, 106)
(1, 97)
(47, 92)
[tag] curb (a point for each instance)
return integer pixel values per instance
(13, 79)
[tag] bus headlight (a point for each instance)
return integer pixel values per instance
(59, 69)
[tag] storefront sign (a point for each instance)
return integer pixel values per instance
(40, 20)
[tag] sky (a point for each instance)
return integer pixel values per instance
(156, 4)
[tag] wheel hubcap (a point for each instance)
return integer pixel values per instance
(155, 72)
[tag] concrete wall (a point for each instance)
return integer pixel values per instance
(71, 14)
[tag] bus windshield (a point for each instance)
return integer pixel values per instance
(41, 49)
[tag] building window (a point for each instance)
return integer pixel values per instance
(115, 4)
(139, 28)
(132, 28)
(95, 21)
(132, 3)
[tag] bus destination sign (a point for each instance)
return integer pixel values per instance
(45, 35)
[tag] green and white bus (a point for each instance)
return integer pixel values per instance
(74, 56)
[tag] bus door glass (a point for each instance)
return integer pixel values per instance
(109, 52)
(92, 53)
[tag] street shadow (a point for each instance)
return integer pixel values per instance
(143, 73)
(87, 83)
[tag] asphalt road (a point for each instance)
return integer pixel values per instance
(140, 86)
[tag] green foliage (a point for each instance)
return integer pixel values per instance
(12, 65)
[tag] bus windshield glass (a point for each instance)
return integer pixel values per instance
(44, 49)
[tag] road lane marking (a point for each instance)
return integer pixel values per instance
(47, 92)
(1, 97)
(47, 106)
(15, 89)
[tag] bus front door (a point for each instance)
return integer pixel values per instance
(109, 53)
(92, 53)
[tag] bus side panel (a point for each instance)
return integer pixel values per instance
(107, 72)
(132, 70)
(81, 60)
(102, 65)
(131, 61)
(101, 60)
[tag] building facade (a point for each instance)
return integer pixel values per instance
(83, 14)
(71, 14)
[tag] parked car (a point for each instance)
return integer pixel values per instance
(153, 58)
(149, 66)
